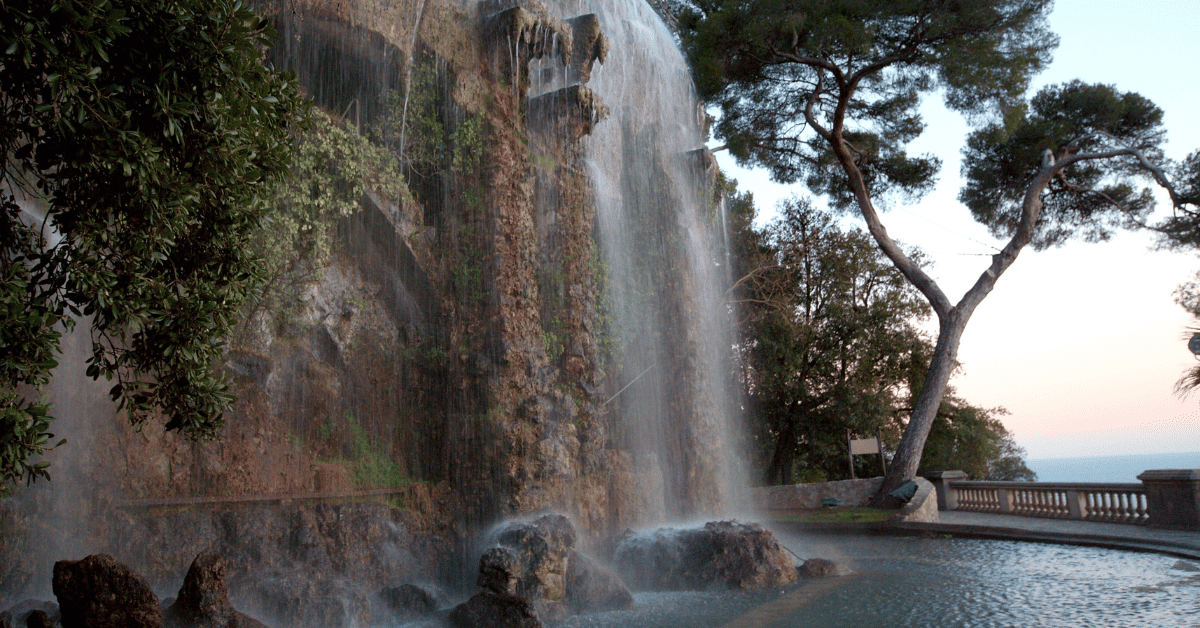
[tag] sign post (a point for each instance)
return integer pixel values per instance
(865, 446)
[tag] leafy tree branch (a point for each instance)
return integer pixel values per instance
(143, 139)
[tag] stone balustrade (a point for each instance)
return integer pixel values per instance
(1165, 498)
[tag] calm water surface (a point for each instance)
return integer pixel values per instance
(944, 583)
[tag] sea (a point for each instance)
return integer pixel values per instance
(1123, 468)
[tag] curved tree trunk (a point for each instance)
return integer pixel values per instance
(952, 319)
(908, 453)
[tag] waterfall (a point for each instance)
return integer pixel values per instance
(545, 330)
(661, 245)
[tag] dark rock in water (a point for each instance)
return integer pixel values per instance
(203, 600)
(23, 613)
(99, 592)
(722, 554)
(537, 561)
(38, 619)
(820, 568)
(498, 570)
(532, 559)
(495, 610)
(1183, 565)
(592, 588)
(409, 600)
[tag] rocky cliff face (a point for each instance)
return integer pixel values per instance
(454, 346)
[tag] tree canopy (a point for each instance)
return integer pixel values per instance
(791, 75)
(1078, 123)
(829, 330)
(832, 342)
(143, 137)
(828, 92)
(972, 439)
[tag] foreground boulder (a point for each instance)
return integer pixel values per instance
(99, 592)
(722, 554)
(203, 600)
(537, 561)
(495, 610)
(530, 559)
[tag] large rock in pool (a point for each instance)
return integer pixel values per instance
(203, 600)
(537, 561)
(722, 554)
(530, 559)
(495, 610)
(99, 592)
(821, 568)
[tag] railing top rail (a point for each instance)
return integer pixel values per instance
(1087, 486)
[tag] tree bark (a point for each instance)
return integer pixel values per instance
(952, 320)
(783, 459)
(912, 443)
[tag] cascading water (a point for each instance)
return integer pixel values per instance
(543, 330)
(659, 232)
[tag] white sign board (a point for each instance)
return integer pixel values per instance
(860, 446)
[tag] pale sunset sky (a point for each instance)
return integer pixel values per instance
(1082, 344)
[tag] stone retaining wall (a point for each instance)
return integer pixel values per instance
(922, 508)
(795, 496)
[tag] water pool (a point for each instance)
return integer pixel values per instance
(943, 583)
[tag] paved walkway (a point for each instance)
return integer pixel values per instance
(1114, 535)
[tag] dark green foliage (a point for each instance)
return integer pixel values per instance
(972, 439)
(790, 75)
(830, 329)
(1090, 197)
(1182, 229)
(152, 133)
(30, 320)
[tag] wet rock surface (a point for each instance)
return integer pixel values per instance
(203, 600)
(99, 592)
(821, 568)
(722, 554)
(537, 561)
(530, 560)
(495, 610)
